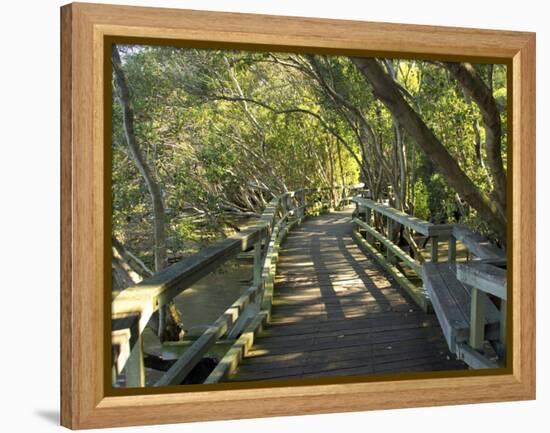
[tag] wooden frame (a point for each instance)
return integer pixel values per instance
(85, 401)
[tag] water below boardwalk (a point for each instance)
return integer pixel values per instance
(202, 303)
(206, 300)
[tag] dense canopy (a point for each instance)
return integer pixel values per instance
(202, 139)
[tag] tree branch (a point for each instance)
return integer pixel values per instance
(386, 90)
(474, 86)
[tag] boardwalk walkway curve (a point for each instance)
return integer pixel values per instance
(335, 312)
(333, 293)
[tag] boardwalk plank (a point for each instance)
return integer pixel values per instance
(269, 362)
(371, 321)
(336, 313)
(336, 342)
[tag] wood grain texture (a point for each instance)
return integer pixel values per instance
(451, 301)
(350, 319)
(86, 402)
(67, 387)
(523, 216)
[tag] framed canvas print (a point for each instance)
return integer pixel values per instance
(267, 216)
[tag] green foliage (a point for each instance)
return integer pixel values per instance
(186, 230)
(216, 131)
(440, 200)
(421, 206)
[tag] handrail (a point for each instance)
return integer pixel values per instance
(220, 327)
(487, 278)
(133, 307)
(482, 275)
(143, 299)
(483, 279)
(408, 260)
(477, 244)
(424, 227)
(435, 232)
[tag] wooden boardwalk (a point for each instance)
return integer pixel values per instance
(337, 313)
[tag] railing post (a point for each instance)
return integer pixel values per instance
(435, 248)
(257, 273)
(288, 203)
(114, 374)
(344, 197)
(452, 249)
(362, 215)
(367, 218)
(162, 320)
(134, 368)
(389, 256)
(477, 319)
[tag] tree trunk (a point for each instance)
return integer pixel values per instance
(152, 186)
(332, 175)
(474, 86)
(122, 277)
(387, 91)
(134, 262)
(123, 267)
(341, 168)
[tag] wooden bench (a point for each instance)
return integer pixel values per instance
(461, 294)
(451, 301)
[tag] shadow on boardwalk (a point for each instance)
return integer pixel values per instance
(336, 313)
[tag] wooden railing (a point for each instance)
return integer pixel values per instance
(485, 276)
(371, 214)
(482, 272)
(133, 307)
